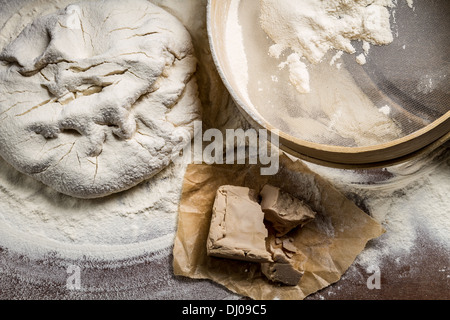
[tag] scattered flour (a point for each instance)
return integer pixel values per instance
(419, 208)
(298, 73)
(336, 57)
(366, 47)
(411, 203)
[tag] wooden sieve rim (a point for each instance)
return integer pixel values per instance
(399, 150)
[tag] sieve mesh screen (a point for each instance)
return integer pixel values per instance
(413, 71)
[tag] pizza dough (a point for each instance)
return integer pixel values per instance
(97, 97)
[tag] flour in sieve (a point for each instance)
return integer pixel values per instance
(336, 111)
(35, 220)
(313, 28)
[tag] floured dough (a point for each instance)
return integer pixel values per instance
(97, 97)
(284, 211)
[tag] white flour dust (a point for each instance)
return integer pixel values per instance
(421, 208)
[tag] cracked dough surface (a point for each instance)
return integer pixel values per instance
(98, 96)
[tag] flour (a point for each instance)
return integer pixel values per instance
(420, 211)
(298, 73)
(336, 57)
(107, 96)
(313, 28)
(385, 110)
(412, 203)
(36, 221)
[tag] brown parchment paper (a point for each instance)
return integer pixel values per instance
(331, 242)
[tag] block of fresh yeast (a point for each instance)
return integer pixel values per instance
(237, 229)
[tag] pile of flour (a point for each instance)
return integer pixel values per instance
(313, 28)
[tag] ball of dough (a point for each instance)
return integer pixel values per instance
(97, 97)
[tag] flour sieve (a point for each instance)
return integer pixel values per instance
(406, 81)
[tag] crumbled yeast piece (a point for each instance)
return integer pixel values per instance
(237, 228)
(284, 211)
(284, 268)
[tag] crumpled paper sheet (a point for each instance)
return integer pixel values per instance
(331, 242)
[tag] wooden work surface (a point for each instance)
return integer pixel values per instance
(423, 276)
